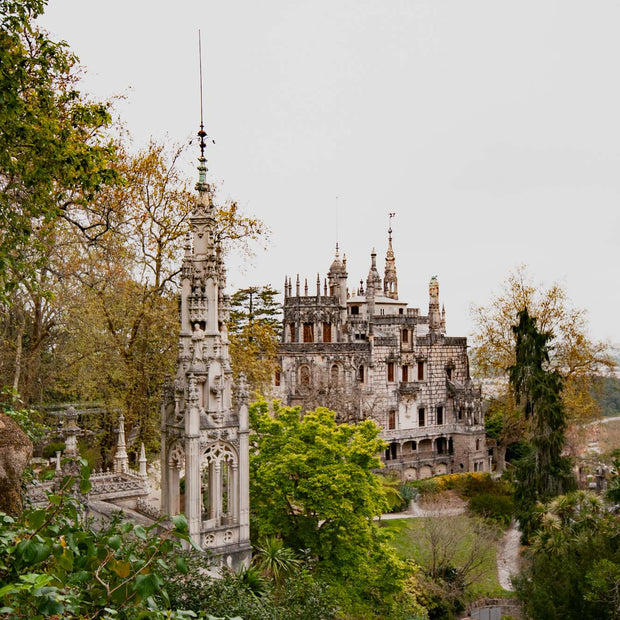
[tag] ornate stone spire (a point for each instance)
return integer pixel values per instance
(390, 282)
(204, 432)
(434, 315)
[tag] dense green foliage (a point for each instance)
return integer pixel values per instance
(298, 596)
(311, 483)
(54, 156)
(55, 562)
(573, 571)
(606, 390)
(543, 472)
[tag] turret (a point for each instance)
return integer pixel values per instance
(434, 316)
(390, 282)
(337, 278)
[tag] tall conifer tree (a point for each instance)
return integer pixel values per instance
(543, 472)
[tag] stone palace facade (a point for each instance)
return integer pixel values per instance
(368, 355)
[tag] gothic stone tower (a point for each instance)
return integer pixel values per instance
(202, 432)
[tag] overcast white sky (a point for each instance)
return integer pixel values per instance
(491, 128)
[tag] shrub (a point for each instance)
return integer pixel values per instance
(498, 508)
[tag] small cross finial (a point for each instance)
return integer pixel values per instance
(390, 225)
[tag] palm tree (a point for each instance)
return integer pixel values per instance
(275, 560)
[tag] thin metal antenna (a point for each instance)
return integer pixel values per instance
(390, 226)
(202, 134)
(337, 226)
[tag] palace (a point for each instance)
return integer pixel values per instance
(368, 355)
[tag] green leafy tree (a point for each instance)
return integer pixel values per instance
(578, 358)
(573, 568)
(55, 155)
(312, 484)
(543, 472)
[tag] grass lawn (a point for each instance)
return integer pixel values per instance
(456, 534)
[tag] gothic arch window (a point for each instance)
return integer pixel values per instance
(220, 452)
(334, 375)
(304, 376)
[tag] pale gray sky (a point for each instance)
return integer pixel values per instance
(491, 128)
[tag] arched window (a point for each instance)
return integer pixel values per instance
(304, 376)
(360, 373)
(334, 374)
(405, 335)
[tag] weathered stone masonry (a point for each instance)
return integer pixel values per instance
(367, 355)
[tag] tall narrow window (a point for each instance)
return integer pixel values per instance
(405, 335)
(327, 332)
(439, 415)
(304, 376)
(360, 374)
(391, 420)
(390, 371)
(291, 328)
(421, 417)
(308, 332)
(334, 375)
(420, 371)
(405, 373)
(277, 377)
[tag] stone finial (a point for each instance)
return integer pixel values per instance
(121, 459)
(142, 462)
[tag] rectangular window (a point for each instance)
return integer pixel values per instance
(421, 419)
(392, 420)
(405, 373)
(439, 416)
(292, 331)
(355, 309)
(390, 371)
(420, 371)
(449, 374)
(308, 332)
(327, 332)
(277, 377)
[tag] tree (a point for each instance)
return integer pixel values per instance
(577, 357)
(542, 472)
(573, 570)
(254, 335)
(54, 153)
(312, 484)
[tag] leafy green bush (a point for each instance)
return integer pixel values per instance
(498, 508)
(54, 563)
(50, 449)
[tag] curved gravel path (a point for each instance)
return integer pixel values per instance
(508, 559)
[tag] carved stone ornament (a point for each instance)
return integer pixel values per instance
(176, 455)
